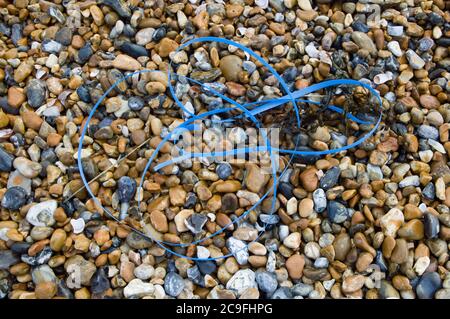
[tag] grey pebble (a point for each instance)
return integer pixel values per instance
(432, 227)
(51, 46)
(133, 49)
(7, 259)
(239, 250)
(429, 191)
(64, 36)
(136, 103)
(14, 198)
(194, 274)
(43, 273)
(282, 293)
(321, 262)
(427, 131)
(320, 200)
(36, 91)
(302, 289)
(395, 30)
(120, 6)
(195, 223)
(6, 160)
(84, 54)
(16, 33)
(126, 188)
(330, 178)
(99, 281)
(375, 173)
(41, 258)
(412, 180)
(267, 282)
(224, 170)
(425, 44)
(428, 285)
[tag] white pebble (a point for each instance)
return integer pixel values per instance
(291, 206)
(394, 47)
(421, 265)
(436, 146)
(283, 232)
(52, 60)
(263, 4)
(312, 250)
(137, 289)
(144, 271)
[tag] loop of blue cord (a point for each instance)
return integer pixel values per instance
(257, 108)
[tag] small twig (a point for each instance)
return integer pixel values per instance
(106, 170)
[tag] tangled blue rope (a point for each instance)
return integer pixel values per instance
(258, 107)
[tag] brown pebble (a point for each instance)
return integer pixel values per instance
(58, 240)
(159, 221)
(166, 46)
(32, 120)
(309, 179)
(125, 62)
(16, 96)
(412, 230)
(400, 252)
(401, 282)
(353, 283)
(388, 246)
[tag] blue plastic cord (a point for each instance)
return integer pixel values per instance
(258, 108)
